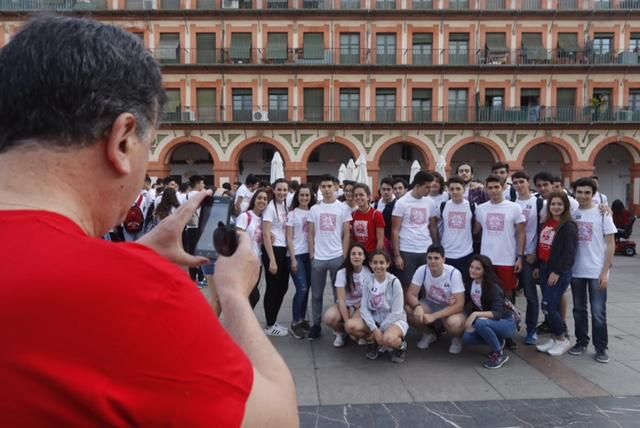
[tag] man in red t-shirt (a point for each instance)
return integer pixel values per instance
(95, 333)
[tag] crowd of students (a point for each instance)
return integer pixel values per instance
(446, 258)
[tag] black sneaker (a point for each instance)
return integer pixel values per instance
(577, 349)
(602, 356)
(373, 352)
(544, 327)
(305, 326)
(511, 344)
(314, 332)
(399, 355)
(297, 331)
(496, 360)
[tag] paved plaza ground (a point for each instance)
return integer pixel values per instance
(340, 387)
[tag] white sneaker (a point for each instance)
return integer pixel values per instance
(426, 340)
(338, 342)
(560, 347)
(544, 347)
(276, 330)
(456, 345)
(362, 342)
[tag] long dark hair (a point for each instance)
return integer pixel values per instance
(273, 194)
(169, 200)
(489, 280)
(349, 267)
(252, 203)
(566, 213)
(295, 202)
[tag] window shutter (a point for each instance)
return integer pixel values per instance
(421, 94)
(206, 48)
(423, 39)
(313, 44)
(566, 97)
(459, 37)
(241, 46)
(497, 42)
(313, 104)
(169, 46)
(206, 99)
(277, 46)
(568, 42)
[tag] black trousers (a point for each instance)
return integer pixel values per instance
(189, 242)
(277, 283)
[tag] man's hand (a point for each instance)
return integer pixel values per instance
(294, 264)
(604, 281)
(397, 260)
(166, 237)
(518, 267)
(553, 279)
(428, 318)
(237, 274)
(531, 259)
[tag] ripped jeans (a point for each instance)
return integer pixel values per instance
(551, 298)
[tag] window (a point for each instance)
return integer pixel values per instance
(602, 49)
(634, 104)
(350, 4)
(278, 105)
(632, 55)
(421, 104)
(568, 48)
(601, 104)
(206, 4)
(313, 45)
(532, 50)
(496, 51)
(422, 4)
(173, 105)
(566, 109)
(206, 99)
(314, 4)
(349, 48)
(495, 5)
(458, 4)
(242, 104)
(531, 4)
(458, 105)
(350, 105)
(169, 4)
(568, 4)
(423, 49)
(386, 105)
(277, 48)
(493, 107)
(314, 105)
(458, 48)
(169, 48)
(385, 49)
(206, 48)
(386, 4)
(530, 105)
(634, 42)
(602, 4)
(240, 48)
(278, 4)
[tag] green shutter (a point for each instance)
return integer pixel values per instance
(277, 46)
(206, 48)
(423, 39)
(568, 42)
(421, 94)
(241, 47)
(313, 44)
(497, 42)
(206, 99)
(169, 49)
(313, 104)
(531, 40)
(566, 97)
(530, 93)
(459, 37)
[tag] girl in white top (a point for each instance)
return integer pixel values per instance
(349, 282)
(298, 258)
(274, 257)
(382, 311)
(251, 222)
(349, 201)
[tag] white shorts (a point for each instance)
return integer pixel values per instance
(403, 326)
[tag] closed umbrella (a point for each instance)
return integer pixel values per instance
(342, 172)
(441, 166)
(415, 167)
(362, 175)
(351, 171)
(277, 167)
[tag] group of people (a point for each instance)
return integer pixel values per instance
(438, 256)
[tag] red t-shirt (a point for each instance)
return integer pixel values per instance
(547, 234)
(363, 228)
(101, 334)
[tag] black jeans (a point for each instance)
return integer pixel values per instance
(277, 284)
(189, 242)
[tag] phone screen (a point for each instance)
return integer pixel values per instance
(211, 214)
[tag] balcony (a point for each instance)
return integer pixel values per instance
(52, 5)
(436, 116)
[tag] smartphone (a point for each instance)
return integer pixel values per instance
(215, 211)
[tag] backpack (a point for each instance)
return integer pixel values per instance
(513, 195)
(134, 220)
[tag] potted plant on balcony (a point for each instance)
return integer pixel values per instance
(598, 103)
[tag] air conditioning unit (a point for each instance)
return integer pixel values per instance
(148, 4)
(188, 116)
(260, 116)
(230, 4)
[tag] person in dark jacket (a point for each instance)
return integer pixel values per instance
(556, 254)
(490, 320)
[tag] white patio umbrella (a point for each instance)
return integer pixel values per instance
(441, 167)
(362, 175)
(351, 171)
(415, 167)
(342, 172)
(277, 167)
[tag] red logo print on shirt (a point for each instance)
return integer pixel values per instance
(546, 236)
(457, 220)
(417, 216)
(305, 226)
(585, 231)
(377, 301)
(526, 213)
(360, 229)
(495, 222)
(437, 294)
(328, 222)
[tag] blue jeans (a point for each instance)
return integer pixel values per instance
(528, 284)
(598, 299)
(551, 299)
(491, 332)
(302, 281)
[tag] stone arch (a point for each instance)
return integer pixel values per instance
(164, 157)
(325, 140)
(239, 148)
(631, 145)
(494, 148)
(566, 150)
(415, 142)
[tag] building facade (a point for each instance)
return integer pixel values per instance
(541, 84)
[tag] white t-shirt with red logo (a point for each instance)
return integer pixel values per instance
(251, 223)
(498, 223)
(328, 221)
(592, 245)
(457, 232)
(438, 289)
(476, 294)
(359, 279)
(244, 195)
(298, 220)
(530, 214)
(415, 236)
(278, 219)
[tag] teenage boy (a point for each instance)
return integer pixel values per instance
(413, 223)
(544, 185)
(594, 257)
(501, 170)
(245, 193)
(385, 205)
(599, 198)
(457, 217)
(532, 209)
(473, 191)
(443, 300)
(400, 186)
(328, 241)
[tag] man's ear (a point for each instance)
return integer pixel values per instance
(120, 143)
